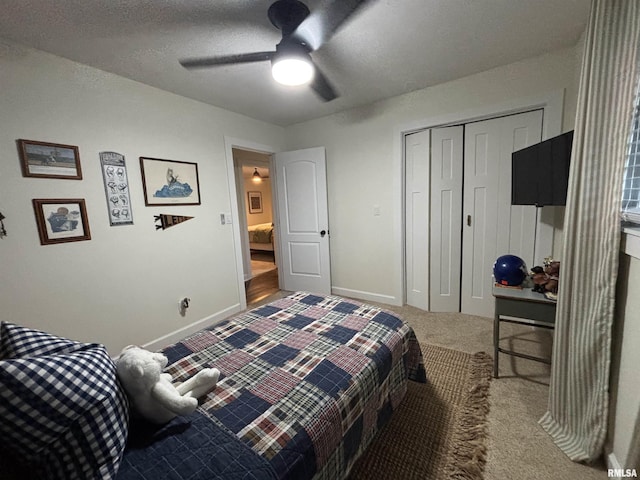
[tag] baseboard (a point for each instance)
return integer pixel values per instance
(217, 317)
(367, 296)
(612, 461)
(613, 464)
(183, 332)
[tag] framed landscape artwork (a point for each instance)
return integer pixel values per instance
(49, 160)
(61, 220)
(169, 182)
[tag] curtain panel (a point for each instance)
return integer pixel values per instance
(578, 396)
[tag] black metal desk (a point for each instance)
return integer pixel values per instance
(525, 308)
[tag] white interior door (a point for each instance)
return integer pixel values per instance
(301, 185)
(446, 218)
(417, 218)
(492, 227)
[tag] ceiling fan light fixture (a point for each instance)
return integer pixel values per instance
(292, 69)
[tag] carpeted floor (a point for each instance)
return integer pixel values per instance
(439, 431)
(518, 447)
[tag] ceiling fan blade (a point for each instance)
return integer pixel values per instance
(321, 24)
(320, 84)
(226, 59)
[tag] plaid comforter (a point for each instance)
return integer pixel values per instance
(306, 381)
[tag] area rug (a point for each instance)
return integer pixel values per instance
(440, 430)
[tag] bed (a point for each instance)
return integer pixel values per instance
(261, 237)
(306, 382)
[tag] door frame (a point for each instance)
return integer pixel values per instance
(229, 144)
(552, 105)
(243, 220)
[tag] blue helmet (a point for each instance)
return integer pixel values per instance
(509, 270)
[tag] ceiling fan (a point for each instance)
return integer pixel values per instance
(302, 33)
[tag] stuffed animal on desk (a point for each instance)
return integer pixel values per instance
(546, 279)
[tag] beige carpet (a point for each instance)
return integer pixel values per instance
(439, 431)
(518, 447)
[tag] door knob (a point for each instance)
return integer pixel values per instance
(323, 233)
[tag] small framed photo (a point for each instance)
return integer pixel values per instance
(169, 182)
(49, 160)
(61, 220)
(255, 202)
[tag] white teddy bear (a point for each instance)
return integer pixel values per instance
(151, 391)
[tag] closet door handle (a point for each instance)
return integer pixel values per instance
(468, 220)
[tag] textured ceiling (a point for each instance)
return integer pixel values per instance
(390, 47)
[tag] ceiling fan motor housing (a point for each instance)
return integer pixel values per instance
(290, 49)
(286, 15)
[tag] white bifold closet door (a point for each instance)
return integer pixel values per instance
(417, 185)
(491, 225)
(459, 216)
(446, 218)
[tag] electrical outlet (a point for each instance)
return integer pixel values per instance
(183, 304)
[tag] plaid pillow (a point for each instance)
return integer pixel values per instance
(19, 342)
(63, 411)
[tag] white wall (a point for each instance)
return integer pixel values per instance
(364, 161)
(625, 388)
(123, 285)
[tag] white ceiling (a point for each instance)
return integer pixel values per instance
(388, 48)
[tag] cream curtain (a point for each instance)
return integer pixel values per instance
(578, 396)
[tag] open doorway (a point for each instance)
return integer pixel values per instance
(255, 199)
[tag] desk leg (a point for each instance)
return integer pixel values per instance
(496, 342)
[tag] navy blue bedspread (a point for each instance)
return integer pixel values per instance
(190, 448)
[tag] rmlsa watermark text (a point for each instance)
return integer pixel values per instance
(622, 473)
